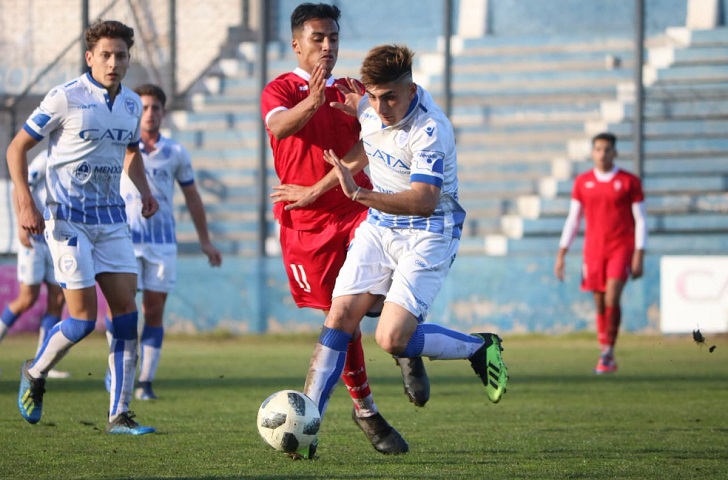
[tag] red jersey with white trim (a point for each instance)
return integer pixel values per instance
(299, 159)
(607, 210)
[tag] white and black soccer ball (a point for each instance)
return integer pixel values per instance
(288, 421)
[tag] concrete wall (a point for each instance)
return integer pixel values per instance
(503, 294)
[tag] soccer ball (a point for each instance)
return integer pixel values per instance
(288, 421)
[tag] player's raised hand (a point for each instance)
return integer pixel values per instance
(346, 179)
(149, 205)
(352, 93)
(317, 85)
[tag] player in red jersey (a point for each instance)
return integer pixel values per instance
(305, 114)
(612, 203)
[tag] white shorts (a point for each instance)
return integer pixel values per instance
(157, 266)
(408, 266)
(81, 251)
(35, 265)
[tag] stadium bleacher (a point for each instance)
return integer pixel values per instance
(685, 168)
(523, 110)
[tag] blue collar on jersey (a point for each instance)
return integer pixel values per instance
(109, 101)
(160, 142)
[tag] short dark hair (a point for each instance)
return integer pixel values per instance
(385, 64)
(609, 137)
(153, 91)
(310, 11)
(108, 29)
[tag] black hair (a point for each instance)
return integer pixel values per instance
(310, 11)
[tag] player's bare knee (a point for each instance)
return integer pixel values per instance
(390, 342)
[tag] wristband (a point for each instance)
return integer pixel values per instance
(356, 193)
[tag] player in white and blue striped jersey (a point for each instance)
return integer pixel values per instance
(166, 162)
(93, 128)
(35, 267)
(405, 247)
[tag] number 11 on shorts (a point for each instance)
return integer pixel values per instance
(300, 275)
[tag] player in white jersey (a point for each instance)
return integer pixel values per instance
(35, 267)
(405, 247)
(92, 125)
(155, 239)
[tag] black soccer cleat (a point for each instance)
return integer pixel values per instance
(383, 437)
(414, 378)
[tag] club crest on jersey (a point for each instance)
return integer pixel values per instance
(131, 106)
(82, 172)
(617, 185)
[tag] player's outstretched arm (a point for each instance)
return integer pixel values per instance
(420, 199)
(199, 219)
(300, 196)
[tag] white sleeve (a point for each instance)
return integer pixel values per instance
(571, 226)
(640, 225)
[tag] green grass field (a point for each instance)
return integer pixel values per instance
(664, 415)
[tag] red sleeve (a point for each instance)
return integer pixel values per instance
(276, 94)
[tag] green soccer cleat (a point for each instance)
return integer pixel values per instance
(30, 395)
(306, 453)
(488, 365)
(124, 424)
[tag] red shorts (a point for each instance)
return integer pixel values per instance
(596, 270)
(313, 258)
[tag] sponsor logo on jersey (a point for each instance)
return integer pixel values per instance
(116, 135)
(303, 88)
(107, 173)
(87, 107)
(82, 172)
(589, 184)
(390, 160)
(430, 160)
(430, 130)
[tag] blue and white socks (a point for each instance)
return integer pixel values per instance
(327, 363)
(440, 343)
(151, 351)
(7, 318)
(58, 342)
(122, 362)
